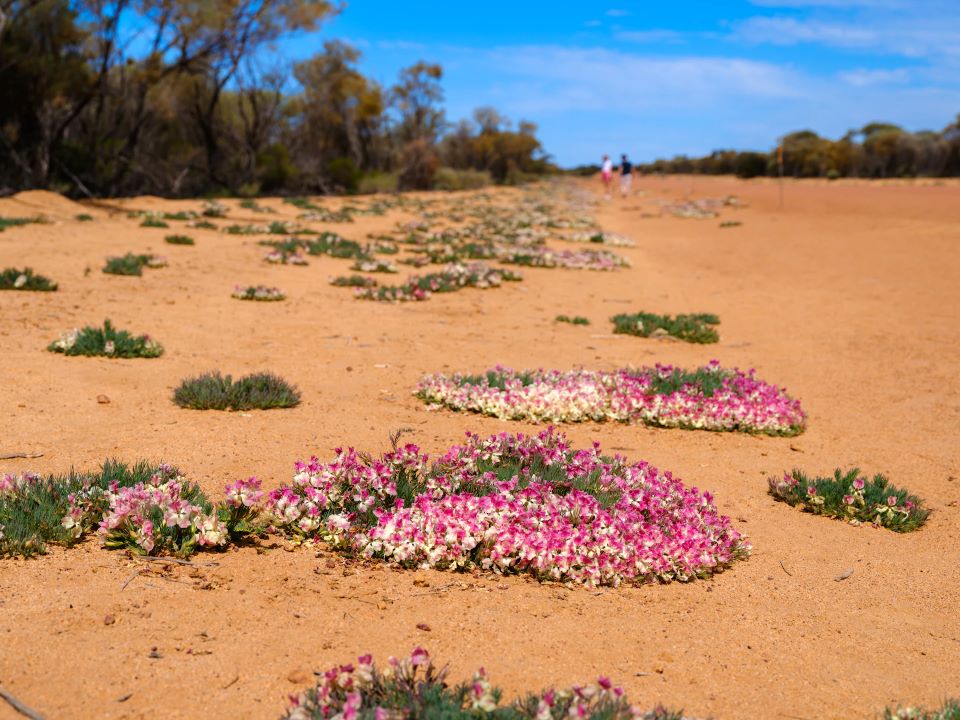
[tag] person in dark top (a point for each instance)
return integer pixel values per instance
(626, 175)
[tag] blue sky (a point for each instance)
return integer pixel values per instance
(662, 78)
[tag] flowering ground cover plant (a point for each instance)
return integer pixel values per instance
(281, 257)
(601, 238)
(374, 266)
(575, 320)
(153, 222)
(13, 279)
(851, 496)
(326, 243)
(511, 504)
(693, 328)
(146, 508)
(950, 710)
(258, 292)
(708, 398)
(106, 342)
(415, 688)
(179, 240)
(453, 277)
(213, 391)
(131, 264)
(255, 206)
(214, 209)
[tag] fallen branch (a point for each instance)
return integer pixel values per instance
(782, 567)
(129, 580)
(19, 706)
(11, 456)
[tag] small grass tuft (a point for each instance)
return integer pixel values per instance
(153, 222)
(106, 342)
(695, 328)
(851, 496)
(354, 281)
(213, 391)
(179, 240)
(575, 320)
(83, 217)
(730, 223)
(13, 279)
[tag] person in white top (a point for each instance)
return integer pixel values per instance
(606, 174)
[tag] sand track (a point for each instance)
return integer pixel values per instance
(848, 296)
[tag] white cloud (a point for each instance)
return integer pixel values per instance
(863, 77)
(650, 36)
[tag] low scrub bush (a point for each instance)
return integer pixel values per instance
(148, 509)
(83, 217)
(379, 183)
(255, 207)
(17, 222)
(851, 496)
(511, 504)
(214, 209)
(695, 328)
(106, 342)
(447, 178)
(358, 281)
(153, 222)
(415, 688)
(708, 398)
(13, 279)
(575, 320)
(131, 264)
(213, 391)
(259, 292)
(179, 240)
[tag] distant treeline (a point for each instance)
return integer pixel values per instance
(878, 150)
(125, 97)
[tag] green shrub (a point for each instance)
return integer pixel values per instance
(179, 240)
(448, 178)
(106, 342)
(128, 264)
(575, 320)
(16, 222)
(255, 207)
(213, 391)
(344, 174)
(833, 174)
(204, 225)
(354, 281)
(83, 217)
(695, 328)
(32, 507)
(153, 222)
(850, 496)
(13, 279)
(379, 183)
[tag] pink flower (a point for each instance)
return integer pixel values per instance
(419, 656)
(858, 484)
(892, 500)
(811, 490)
(848, 499)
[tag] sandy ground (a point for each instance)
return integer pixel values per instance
(849, 296)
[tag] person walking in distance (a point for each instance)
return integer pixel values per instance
(626, 175)
(606, 174)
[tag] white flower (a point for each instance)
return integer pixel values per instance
(20, 281)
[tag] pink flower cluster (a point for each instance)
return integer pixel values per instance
(453, 277)
(741, 402)
(543, 256)
(511, 504)
(10, 484)
(414, 687)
